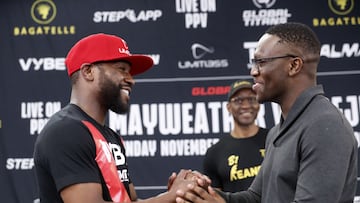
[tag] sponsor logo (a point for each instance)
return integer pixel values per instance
(56, 63)
(210, 91)
(199, 52)
(19, 163)
(250, 46)
(343, 10)
(38, 114)
(345, 50)
(341, 7)
(203, 50)
(196, 12)
(265, 16)
(264, 3)
(128, 14)
(43, 12)
(155, 58)
(44, 64)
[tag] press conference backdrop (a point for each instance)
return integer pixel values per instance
(178, 107)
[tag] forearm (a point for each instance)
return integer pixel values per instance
(166, 197)
(240, 197)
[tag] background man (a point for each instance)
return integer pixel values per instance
(233, 162)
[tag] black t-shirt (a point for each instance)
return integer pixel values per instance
(65, 154)
(232, 163)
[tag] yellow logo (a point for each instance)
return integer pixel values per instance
(341, 7)
(43, 11)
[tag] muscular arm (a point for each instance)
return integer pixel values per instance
(92, 192)
(82, 193)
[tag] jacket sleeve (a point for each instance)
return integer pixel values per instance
(241, 197)
(327, 160)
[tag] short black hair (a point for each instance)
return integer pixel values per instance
(74, 77)
(297, 34)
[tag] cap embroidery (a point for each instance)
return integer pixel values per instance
(124, 51)
(241, 83)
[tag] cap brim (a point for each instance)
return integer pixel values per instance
(139, 63)
(242, 87)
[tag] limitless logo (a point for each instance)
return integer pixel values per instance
(204, 50)
(198, 52)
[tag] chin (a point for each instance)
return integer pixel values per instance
(260, 99)
(120, 109)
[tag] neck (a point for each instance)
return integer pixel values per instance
(289, 99)
(90, 107)
(244, 131)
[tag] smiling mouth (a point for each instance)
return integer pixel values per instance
(127, 92)
(246, 113)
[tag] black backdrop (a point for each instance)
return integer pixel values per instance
(199, 48)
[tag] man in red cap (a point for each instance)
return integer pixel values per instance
(77, 157)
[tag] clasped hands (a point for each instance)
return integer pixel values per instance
(193, 187)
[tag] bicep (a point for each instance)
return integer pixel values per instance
(82, 193)
(71, 157)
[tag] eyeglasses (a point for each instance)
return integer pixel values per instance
(241, 100)
(257, 63)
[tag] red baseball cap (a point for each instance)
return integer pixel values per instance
(104, 47)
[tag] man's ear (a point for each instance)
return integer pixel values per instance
(295, 66)
(228, 107)
(86, 71)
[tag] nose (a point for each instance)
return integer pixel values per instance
(254, 71)
(245, 104)
(129, 79)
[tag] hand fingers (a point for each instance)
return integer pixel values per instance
(200, 192)
(204, 179)
(171, 180)
(181, 200)
(183, 173)
(186, 197)
(215, 195)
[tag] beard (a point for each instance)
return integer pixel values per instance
(111, 97)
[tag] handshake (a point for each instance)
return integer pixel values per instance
(192, 187)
